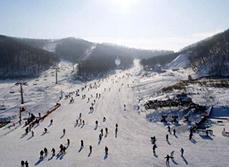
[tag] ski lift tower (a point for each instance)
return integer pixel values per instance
(21, 83)
(22, 107)
(56, 69)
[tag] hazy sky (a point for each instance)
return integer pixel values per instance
(151, 24)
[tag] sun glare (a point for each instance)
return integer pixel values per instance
(124, 5)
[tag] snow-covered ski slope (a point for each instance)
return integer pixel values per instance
(39, 94)
(132, 147)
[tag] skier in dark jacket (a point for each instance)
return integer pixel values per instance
(101, 131)
(190, 135)
(41, 154)
(53, 152)
(51, 122)
(106, 151)
(153, 140)
(45, 130)
(116, 130)
(46, 151)
(174, 132)
(90, 149)
(167, 137)
(26, 164)
(68, 142)
(80, 115)
(169, 129)
(22, 163)
(81, 143)
(182, 152)
(167, 159)
(106, 132)
(154, 149)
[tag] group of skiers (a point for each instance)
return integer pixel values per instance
(79, 122)
(24, 164)
(171, 156)
(44, 152)
(168, 157)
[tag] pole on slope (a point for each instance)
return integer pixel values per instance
(56, 75)
(21, 83)
(56, 71)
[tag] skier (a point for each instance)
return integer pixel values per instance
(116, 130)
(26, 164)
(64, 132)
(182, 152)
(116, 125)
(154, 149)
(169, 129)
(83, 123)
(106, 151)
(26, 130)
(46, 151)
(81, 143)
(22, 163)
(90, 150)
(101, 132)
(106, 131)
(174, 132)
(53, 152)
(45, 130)
(51, 122)
(61, 148)
(68, 142)
(80, 121)
(167, 137)
(100, 137)
(104, 119)
(96, 124)
(153, 140)
(190, 135)
(80, 115)
(41, 154)
(167, 159)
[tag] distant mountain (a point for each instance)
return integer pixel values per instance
(208, 57)
(103, 57)
(93, 58)
(21, 60)
(73, 49)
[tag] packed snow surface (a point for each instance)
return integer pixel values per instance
(131, 148)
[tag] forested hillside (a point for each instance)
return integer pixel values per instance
(20, 60)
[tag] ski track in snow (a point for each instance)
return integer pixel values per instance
(132, 147)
